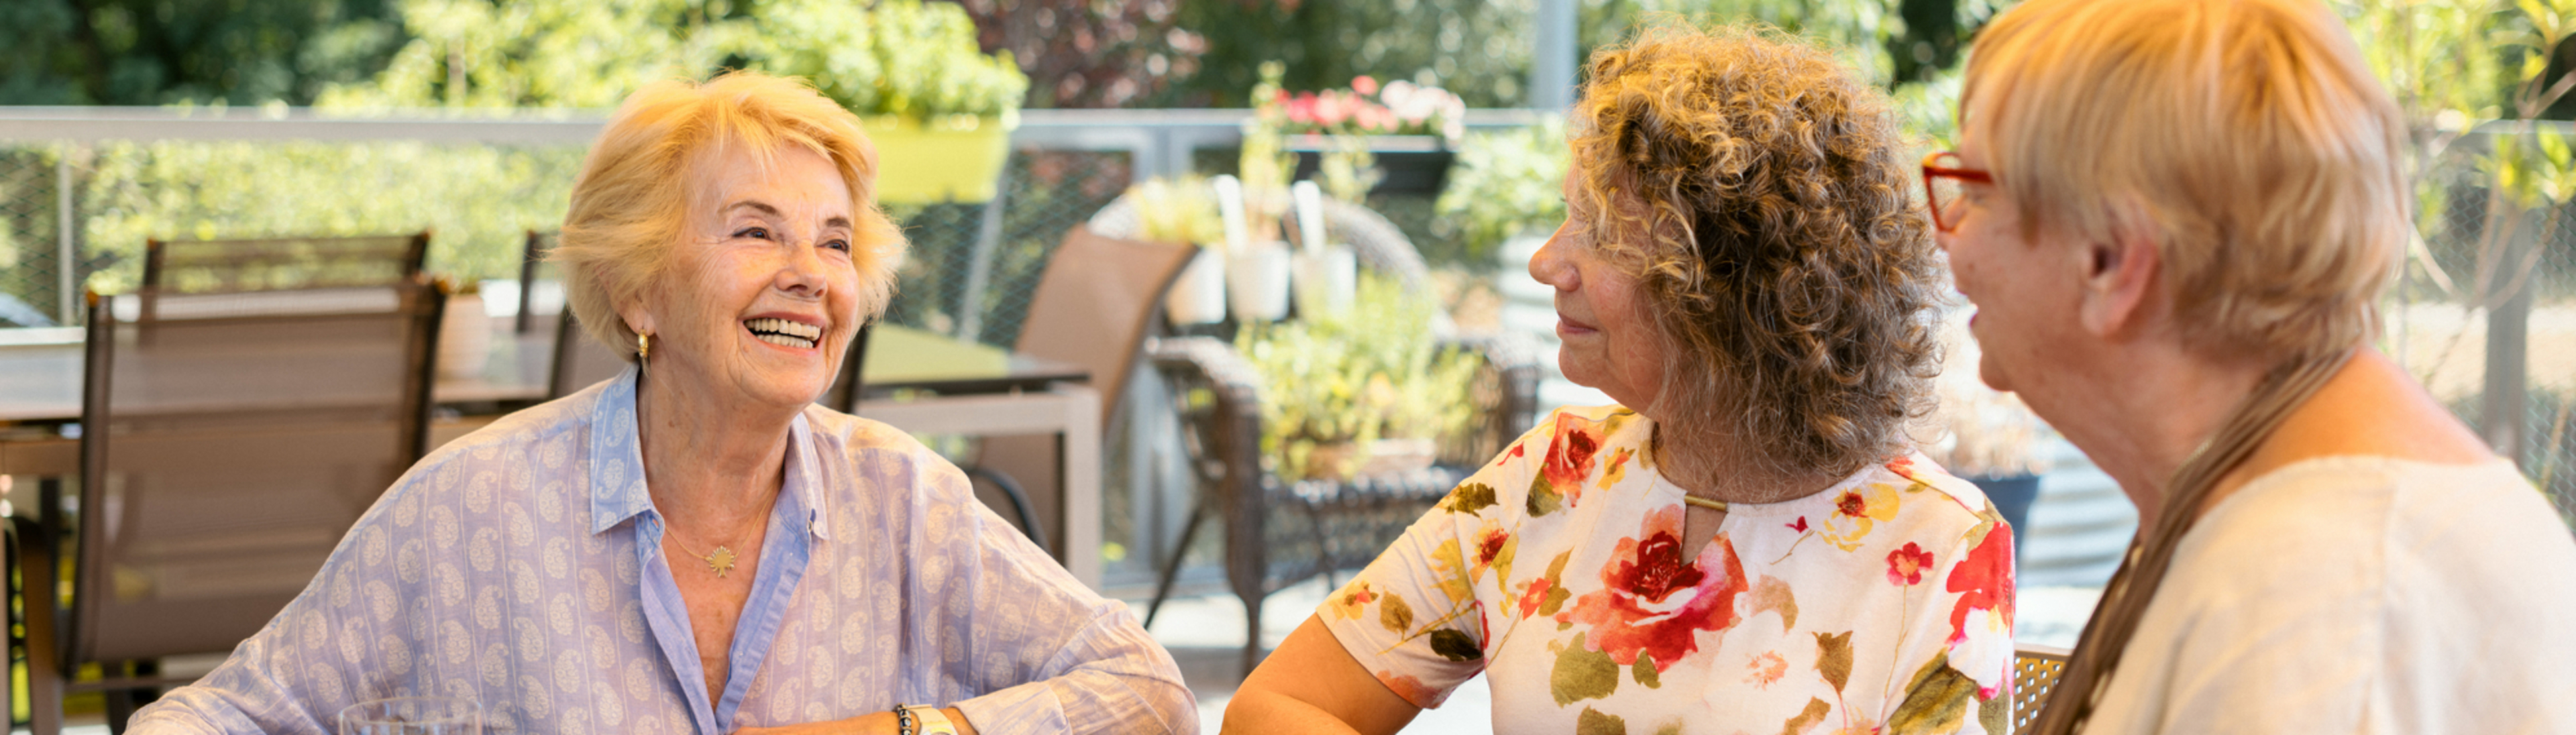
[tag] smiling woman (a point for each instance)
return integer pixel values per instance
(693, 546)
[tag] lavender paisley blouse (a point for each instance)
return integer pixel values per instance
(519, 566)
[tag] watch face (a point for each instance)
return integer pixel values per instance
(933, 722)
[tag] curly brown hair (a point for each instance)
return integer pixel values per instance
(1760, 193)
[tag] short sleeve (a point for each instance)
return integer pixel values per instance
(1416, 616)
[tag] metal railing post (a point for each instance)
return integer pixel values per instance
(66, 259)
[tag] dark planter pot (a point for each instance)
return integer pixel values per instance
(2012, 497)
(1416, 165)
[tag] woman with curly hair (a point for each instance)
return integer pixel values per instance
(1746, 542)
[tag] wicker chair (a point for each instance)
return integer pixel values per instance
(1280, 533)
(2035, 671)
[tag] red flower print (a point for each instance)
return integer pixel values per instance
(1489, 546)
(1800, 526)
(1985, 580)
(1571, 455)
(1515, 451)
(1653, 601)
(1851, 504)
(1536, 595)
(1905, 566)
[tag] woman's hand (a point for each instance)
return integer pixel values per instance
(882, 723)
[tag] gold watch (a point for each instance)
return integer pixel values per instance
(924, 720)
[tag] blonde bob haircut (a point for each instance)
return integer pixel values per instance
(1761, 194)
(2247, 138)
(630, 208)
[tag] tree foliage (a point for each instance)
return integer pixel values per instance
(894, 57)
(1090, 53)
(149, 52)
(1476, 48)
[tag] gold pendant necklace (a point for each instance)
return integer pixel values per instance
(718, 561)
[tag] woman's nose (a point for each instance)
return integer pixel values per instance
(1549, 265)
(802, 274)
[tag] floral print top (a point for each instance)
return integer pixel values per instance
(1881, 605)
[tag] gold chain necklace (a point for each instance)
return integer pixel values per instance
(719, 561)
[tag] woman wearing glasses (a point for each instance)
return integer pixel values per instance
(2174, 218)
(1745, 543)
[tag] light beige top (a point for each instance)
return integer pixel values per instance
(2361, 595)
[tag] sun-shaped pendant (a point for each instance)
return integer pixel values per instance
(720, 561)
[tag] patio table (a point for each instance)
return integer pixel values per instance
(916, 381)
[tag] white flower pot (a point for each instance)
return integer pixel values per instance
(464, 337)
(1257, 281)
(1198, 295)
(1327, 281)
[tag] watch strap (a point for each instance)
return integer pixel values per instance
(921, 720)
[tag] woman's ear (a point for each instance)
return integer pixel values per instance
(2120, 281)
(639, 317)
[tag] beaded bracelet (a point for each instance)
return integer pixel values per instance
(903, 724)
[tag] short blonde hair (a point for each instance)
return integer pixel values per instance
(1760, 191)
(632, 203)
(2247, 135)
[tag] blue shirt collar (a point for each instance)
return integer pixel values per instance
(617, 464)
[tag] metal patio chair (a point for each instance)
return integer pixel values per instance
(223, 456)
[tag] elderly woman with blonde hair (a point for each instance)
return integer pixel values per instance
(2175, 219)
(694, 546)
(1747, 543)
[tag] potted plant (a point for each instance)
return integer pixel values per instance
(1185, 211)
(1342, 135)
(1982, 435)
(939, 109)
(1362, 395)
(1507, 186)
(1257, 255)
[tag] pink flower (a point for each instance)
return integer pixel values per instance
(1767, 668)
(1363, 84)
(1331, 108)
(1905, 566)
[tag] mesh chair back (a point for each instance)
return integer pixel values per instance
(579, 360)
(533, 268)
(2035, 671)
(173, 267)
(225, 455)
(1094, 303)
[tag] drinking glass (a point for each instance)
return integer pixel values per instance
(413, 716)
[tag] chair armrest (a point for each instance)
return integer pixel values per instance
(1231, 425)
(1225, 438)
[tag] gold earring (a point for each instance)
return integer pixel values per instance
(643, 346)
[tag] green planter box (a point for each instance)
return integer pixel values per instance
(955, 158)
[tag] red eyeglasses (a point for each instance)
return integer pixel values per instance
(1943, 181)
